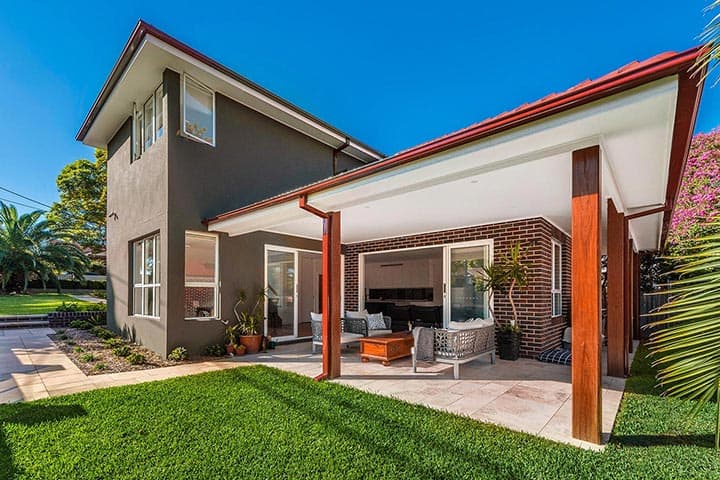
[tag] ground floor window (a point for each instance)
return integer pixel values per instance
(201, 275)
(146, 276)
(556, 279)
(468, 298)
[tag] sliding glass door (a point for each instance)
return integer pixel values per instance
(293, 291)
(464, 296)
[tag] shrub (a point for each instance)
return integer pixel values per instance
(97, 320)
(100, 367)
(214, 350)
(78, 349)
(136, 359)
(61, 331)
(70, 342)
(178, 354)
(68, 307)
(114, 342)
(102, 332)
(63, 337)
(81, 325)
(87, 357)
(122, 351)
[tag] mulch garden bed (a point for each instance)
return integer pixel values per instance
(95, 357)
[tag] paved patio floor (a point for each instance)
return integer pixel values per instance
(525, 395)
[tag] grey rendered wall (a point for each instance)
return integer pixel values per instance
(137, 206)
(254, 158)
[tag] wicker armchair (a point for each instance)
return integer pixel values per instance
(360, 326)
(461, 346)
(352, 330)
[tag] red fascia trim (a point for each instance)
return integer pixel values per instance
(575, 97)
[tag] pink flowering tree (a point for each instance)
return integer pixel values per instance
(698, 202)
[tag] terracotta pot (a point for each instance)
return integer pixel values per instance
(229, 349)
(240, 350)
(251, 342)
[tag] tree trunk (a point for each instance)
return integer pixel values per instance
(25, 281)
(512, 303)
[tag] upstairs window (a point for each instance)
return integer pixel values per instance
(198, 108)
(148, 123)
(556, 279)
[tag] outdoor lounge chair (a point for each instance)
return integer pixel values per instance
(461, 346)
(346, 337)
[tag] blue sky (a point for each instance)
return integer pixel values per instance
(388, 73)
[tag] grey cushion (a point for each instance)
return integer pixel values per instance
(378, 333)
(376, 321)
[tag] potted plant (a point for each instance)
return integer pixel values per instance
(512, 272)
(230, 338)
(240, 350)
(249, 320)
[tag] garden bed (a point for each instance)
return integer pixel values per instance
(95, 356)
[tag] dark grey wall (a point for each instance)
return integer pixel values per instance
(176, 184)
(254, 158)
(137, 206)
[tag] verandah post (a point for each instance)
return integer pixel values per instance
(586, 354)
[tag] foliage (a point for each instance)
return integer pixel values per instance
(78, 349)
(711, 37)
(685, 343)
(698, 202)
(68, 307)
(87, 357)
(114, 342)
(81, 210)
(509, 272)
(136, 359)
(122, 351)
(249, 320)
(99, 294)
(103, 333)
(178, 354)
(29, 246)
(63, 336)
(328, 431)
(81, 325)
(214, 350)
(100, 367)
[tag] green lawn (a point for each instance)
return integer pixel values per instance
(34, 304)
(258, 422)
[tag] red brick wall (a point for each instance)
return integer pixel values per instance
(533, 302)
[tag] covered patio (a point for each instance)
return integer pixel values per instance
(525, 395)
(599, 163)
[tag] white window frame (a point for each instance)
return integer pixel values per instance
(138, 119)
(214, 284)
(556, 310)
(142, 285)
(207, 89)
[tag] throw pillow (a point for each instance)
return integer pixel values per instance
(351, 314)
(375, 321)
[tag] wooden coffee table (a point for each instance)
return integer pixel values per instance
(387, 347)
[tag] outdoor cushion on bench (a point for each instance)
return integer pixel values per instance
(559, 356)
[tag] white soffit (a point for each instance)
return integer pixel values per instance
(144, 73)
(525, 172)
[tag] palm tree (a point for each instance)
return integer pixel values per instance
(685, 344)
(28, 245)
(707, 61)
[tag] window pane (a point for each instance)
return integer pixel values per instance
(137, 301)
(198, 104)
(137, 263)
(156, 301)
(557, 266)
(199, 302)
(148, 125)
(466, 294)
(149, 261)
(138, 127)
(149, 301)
(557, 304)
(159, 112)
(199, 258)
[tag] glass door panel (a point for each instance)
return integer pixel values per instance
(281, 293)
(467, 299)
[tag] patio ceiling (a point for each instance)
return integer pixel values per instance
(519, 173)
